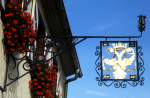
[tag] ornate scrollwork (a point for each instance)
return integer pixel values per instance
(26, 61)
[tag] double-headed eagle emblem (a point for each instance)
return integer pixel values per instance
(120, 60)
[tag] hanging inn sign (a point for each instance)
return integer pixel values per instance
(120, 63)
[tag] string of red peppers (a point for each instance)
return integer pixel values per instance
(19, 34)
(44, 81)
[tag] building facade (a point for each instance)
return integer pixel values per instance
(50, 21)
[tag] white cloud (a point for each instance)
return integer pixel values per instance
(102, 27)
(97, 93)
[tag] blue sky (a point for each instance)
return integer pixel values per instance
(106, 17)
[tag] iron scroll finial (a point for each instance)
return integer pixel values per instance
(141, 23)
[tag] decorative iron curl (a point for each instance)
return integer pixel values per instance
(119, 83)
(13, 74)
(140, 61)
(97, 62)
(17, 59)
(141, 67)
(135, 83)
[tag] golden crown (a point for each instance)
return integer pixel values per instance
(119, 45)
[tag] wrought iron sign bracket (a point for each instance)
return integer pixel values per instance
(119, 49)
(125, 64)
(141, 29)
(83, 38)
(26, 61)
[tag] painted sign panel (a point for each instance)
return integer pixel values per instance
(119, 60)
